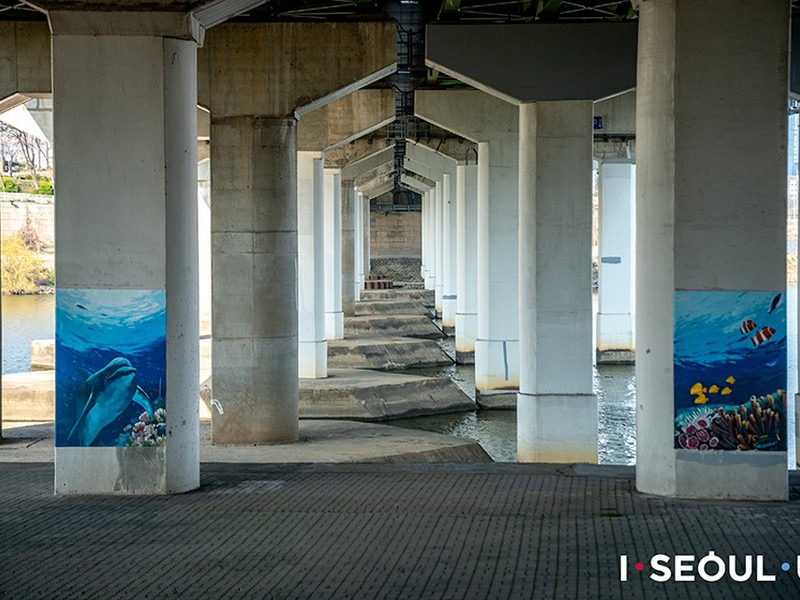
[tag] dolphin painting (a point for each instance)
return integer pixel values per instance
(109, 392)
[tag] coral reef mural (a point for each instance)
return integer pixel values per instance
(730, 370)
(110, 367)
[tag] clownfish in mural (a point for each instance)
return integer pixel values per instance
(762, 336)
(747, 326)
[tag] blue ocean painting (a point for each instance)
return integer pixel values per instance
(110, 367)
(730, 370)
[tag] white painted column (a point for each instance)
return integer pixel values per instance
(556, 409)
(367, 237)
(428, 226)
(497, 344)
(349, 253)
(334, 317)
(449, 290)
(204, 243)
(359, 245)
(312, 345)
(254, 240)
(711, 248)
(616, 289)
(438, 242)
(466, 263)
(126, 297)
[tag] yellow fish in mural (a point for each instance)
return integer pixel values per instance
(731, 380)
(713, 389)
(726, 390)
(697, 388)
(701, 399)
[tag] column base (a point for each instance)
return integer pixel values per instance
(615, 357)
(615, 338)
(557, 428)
(466, 332)
(496, 399)
(719, 475)
(496, 365)
(334, 325)
(465, 358)
(121, 471)
(449, 314)
(312, 359)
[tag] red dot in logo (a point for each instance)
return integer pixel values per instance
(639, 566)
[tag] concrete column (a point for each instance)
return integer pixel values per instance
(496, 132)
(438, 246)
(349, 286)
(204, 243)
(710, 316)
(428, 210)
(616, 279)
(334, 317)
(312, 346)
(127, 301)
(466, 263)
(497, 344)
(254, 237)
(359, 245)
(367, 235)
(449, 294)
(555, 293)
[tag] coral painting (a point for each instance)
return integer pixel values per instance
(110, 367)
(730, 370)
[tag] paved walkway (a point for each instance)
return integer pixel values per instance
(381, 531)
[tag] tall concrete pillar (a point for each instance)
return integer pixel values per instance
(616, 296)
(428, 218)
(438, 246)
(127, 413)
(349, 253)
(496, 131)
(312, 345)
(254, 197)
(204, 241)
(449, 294)
(711, 249)
(555, 293)
(254, 236)
(359, 245)
(334, 317)
(466, 263)
(367, 236)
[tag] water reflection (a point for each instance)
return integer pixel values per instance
(25, 318)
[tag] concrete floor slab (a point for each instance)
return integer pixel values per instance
(385, 353)
(321, 441)
(376, 396)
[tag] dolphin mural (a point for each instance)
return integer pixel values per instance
(109, 392)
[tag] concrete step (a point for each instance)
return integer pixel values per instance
(427, 297)
(385, 353)
(417, 326)
(389, 307)
(366, 395)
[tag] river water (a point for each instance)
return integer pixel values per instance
(27, 318)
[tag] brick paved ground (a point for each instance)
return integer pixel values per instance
(378, 531)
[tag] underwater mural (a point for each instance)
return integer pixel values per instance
(110, 367)
(730, 370)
